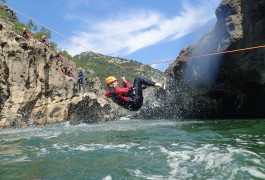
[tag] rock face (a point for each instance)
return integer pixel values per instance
(9, 17)
(222, 86)
(34, 91)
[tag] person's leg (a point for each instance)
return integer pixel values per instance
(83, 86)
(139, 82)
(79, 85)
(137, 99)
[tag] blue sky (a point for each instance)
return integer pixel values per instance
(147, 31)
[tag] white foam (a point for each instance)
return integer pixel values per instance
(29, 133)
(140, 174)
(175, 162)
(211, 158)
(257, 161)
(107, 178)
(124, 118)
(58, 146)
(84, 148)
(94, 147)
(254, 172)
(67, 124)
(21, 159)
(185, 146)
(242, 151)
(261, 143)
(42, 152)
(141, 148)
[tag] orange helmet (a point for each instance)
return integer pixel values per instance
(110, 79)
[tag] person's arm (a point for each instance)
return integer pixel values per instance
(28, 36)
(126, 84)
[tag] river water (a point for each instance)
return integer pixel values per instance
(136, 149)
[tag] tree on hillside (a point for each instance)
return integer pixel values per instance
(31, 26)
(54, 46)
(46, 31)
(3, 12)
(43, 31)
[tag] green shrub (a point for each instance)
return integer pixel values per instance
(3, 14)
(18, 28)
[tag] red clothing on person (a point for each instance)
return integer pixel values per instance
(121, 92)
(26, 35)
(43, 41)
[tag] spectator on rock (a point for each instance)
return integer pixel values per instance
(57, 56)
(69, 73)
(80, 80)
(25, 34)
(43, 40)
(59, 59)
(64, 70)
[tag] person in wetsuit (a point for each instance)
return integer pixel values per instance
(125, 97)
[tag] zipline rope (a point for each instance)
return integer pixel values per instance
(204, 55)
(77, 43)
(129, 67)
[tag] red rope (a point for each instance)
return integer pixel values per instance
(204, 55)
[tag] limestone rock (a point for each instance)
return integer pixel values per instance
(33, 90)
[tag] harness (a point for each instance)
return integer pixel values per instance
(131, 104)
(117, 99)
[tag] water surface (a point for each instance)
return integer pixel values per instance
(136, 149)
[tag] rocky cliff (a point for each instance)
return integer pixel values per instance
(222, 86)
(34, 91)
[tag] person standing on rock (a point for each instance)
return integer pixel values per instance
(25, 34)
(80, 80)
(125, 97)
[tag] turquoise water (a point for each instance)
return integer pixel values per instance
(136, 149)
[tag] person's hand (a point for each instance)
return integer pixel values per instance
(123, 79)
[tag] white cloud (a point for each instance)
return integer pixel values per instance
(127, 33)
